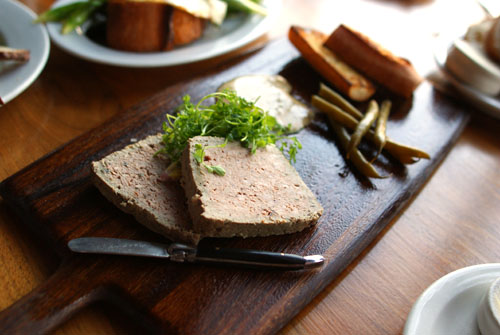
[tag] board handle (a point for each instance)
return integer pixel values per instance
(53, 302)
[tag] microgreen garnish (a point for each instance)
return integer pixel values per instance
(231, 117)
(199, 155)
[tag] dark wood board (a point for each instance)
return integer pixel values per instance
(56, 200)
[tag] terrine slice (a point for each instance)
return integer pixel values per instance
(130, 179)
(260, 194)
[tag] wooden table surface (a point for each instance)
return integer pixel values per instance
(452, 223)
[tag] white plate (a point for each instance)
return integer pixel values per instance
(449, 305)
(18, 31)
(235, 32)
(479, 100)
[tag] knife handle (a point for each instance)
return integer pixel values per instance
(244, 257)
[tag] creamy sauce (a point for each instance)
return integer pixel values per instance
(272, 94)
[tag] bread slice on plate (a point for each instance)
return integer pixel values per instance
(131, 179)
(260, 194)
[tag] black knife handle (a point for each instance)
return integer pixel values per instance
(256, 259)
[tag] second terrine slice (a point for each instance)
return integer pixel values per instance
(260, 194)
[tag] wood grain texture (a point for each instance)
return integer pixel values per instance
(442, 230)
(54, 197)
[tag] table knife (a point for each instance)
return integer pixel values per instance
(178, 252)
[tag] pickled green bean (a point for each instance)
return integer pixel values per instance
(405, 154)
(335, 98)
(357, 158)
(334, 111)
(363, 127)
(380, 128)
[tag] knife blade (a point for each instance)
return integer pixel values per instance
(178, 252)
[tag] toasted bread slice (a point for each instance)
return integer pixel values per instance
(347, 80)
(131, 179)
(260, 194)
(19, 55)
(379, 64)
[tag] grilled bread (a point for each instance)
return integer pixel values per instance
(347, 80)
(377, 63)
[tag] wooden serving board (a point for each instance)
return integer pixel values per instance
(55, 198)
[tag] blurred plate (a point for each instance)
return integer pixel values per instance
(479, 100)
(18, 31)
(450, 304)
(236, 31)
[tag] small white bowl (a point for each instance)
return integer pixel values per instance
(488, 313)
(471, 66)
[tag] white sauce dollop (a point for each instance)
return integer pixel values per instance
(272, 94)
